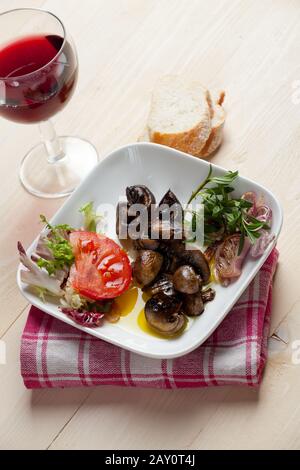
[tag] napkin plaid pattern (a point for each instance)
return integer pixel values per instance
(54, 354)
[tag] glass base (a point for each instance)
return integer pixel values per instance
(54, 180)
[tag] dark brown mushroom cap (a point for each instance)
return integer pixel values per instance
(147, 266)
(186, 280)
(166, 230)
(170, 200)
(140, 194)
(146, 244)
(163, 284)
(196, 259)
(163, 314)
(177, 247)
(170, 264)
(168, 219)
(208, 295)
(169, 249)
(193, 305)
(200, 282)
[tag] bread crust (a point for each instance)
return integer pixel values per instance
(192, 141)
(201, 140)
(218, 121)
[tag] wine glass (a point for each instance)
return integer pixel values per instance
(38, 75)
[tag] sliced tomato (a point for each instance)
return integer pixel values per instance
(102, 269)
(228, 263)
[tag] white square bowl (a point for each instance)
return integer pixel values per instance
(160, 168)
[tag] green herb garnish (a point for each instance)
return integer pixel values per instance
(223, 213)
(59, 246)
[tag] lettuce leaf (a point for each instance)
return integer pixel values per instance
(54, 250)
(84, 318)
(36, 277)
(90, 217)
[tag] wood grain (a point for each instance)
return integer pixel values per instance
(250, 48)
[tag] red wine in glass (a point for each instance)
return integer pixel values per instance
(40, 73)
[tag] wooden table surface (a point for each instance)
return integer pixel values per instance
(249, 47)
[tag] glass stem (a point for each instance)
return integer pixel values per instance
(51, 142)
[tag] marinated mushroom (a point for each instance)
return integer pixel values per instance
(166, 230)
(208, 295)
(196, 259)
(146, 244)
(147, 266)
(140, 194)
(193, 305)
(177, 247)
(170, 201)
(200, 282)
(163, 284)
(186, 280)
(164, 268)
(163, 314)
(170, 263)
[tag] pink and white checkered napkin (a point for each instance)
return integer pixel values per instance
(54, 354)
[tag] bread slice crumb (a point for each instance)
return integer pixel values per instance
(180, 115)
(186, 117)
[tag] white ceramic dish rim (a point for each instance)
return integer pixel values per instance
(168, 355)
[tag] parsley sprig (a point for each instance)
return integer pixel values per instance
(224, 214)
(59, 246)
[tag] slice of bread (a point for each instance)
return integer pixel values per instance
(217, 124)
(180, 115)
